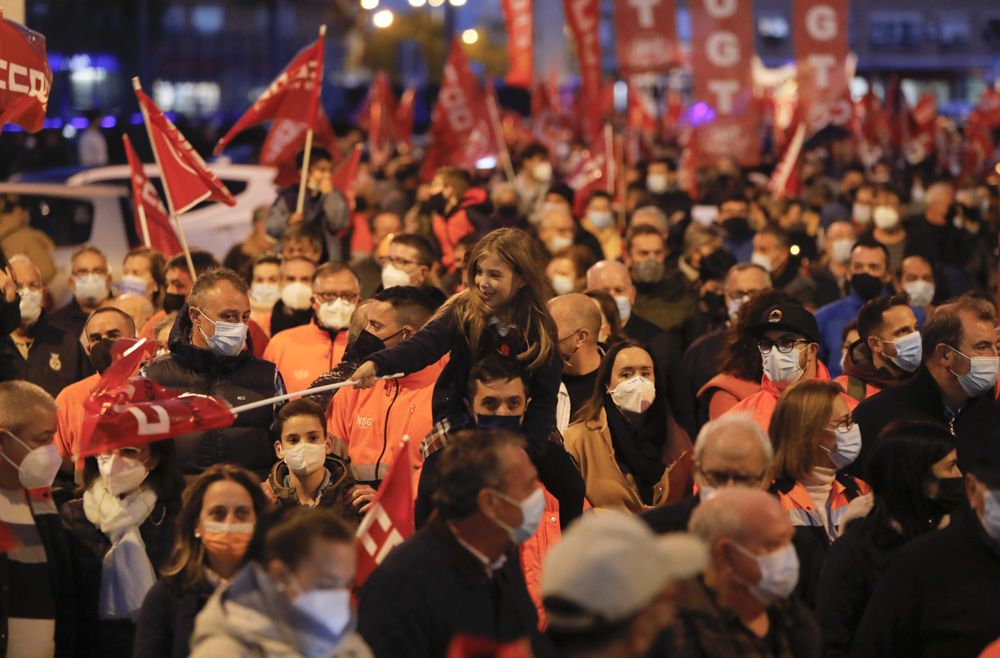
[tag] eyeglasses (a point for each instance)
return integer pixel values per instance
(398, 261)
(785, 344)
(845, 424)
(324, 297)
(720, 478)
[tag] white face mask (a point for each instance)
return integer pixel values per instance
(783, 368)
(336, 314)
(779, 574)
(38, 468)
(542, 172)
(885, 218)
(624, 308)
(734, 305)
(532, 509)
(762, 260)
(121, 475)
(392, 276)
(634, 395)
(559, 242)
(91, 288)
(657, 183)
(840, 250)
(600, 218)
(861, 213)
(920, 292)
(133, 285)
(329, 607)
(31, 305)
(562, 284)
(304, 458)
(265, 294)
(297, 296)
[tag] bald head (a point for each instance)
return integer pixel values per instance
(24, 271)
(20, 401)
(611, 277)
(754, 519)
(574, 312)
(733, 449)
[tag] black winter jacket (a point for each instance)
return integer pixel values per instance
(166, 620)
(55, 360)
(237, 380)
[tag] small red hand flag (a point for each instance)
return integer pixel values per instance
(390, 520)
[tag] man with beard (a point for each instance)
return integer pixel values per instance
(870, 276)
(888, 351)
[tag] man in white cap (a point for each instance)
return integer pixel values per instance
(609, 586)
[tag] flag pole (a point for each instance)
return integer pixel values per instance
(166, 187)
(298, 394)
(609, 158)
(508, 166)
(304, 174)
(142, 222)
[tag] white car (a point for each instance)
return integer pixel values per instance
(211, 226)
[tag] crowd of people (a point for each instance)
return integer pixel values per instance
(639, 424)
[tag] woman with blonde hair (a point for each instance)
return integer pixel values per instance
(814, 437)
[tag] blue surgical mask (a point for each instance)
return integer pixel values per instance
(848, 446)
(982, 375)
(779, 574)
(909, 352)
(229, 338)
(532, 509)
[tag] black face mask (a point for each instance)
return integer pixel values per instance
(100, 354)
(508, 213)
(867, 286)
(173, 302)
(737, 227)
(368, 343)
(436, 203)
(950, 495)
(509, 423)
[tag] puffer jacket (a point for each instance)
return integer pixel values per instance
(250, 618)
(332, 492)
(238, 380)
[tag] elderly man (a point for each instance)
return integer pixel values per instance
(610, 586)
(939, 595)
(460, 574)
(37, 579)
(578, 323)
(104, 326)
(90, 282)
(730, 451)
(741, 606)
(37, 350)
(208, 355)
(954, 386)
(305, 352)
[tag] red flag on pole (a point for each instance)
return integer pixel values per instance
(390, 520)
(186, 178)
(517, 16)
(293, 95)
(784, 180)
(820, 39)
(461, 131)
(26, 78)
(287, 137)
(346, 174)
(152, 222)
(404, 118)
(583, 18)
(646, 35)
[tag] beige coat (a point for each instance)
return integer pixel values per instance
(16, 237)
(607, 487)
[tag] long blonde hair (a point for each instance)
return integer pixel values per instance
(799, 420)
(528, 306)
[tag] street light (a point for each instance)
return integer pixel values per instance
(457, 3)
(470, 36)
(382, 19)
(418, 3)
(369, 4)
(435, 3)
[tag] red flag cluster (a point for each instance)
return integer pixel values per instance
(287, 137)
(26, 79)
(387, 122)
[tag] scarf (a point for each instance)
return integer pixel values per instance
(819, 484)
(126, 574)
(638, 448)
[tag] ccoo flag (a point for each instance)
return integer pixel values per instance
(186, 178)
(390, 520)
(26, 79)
(152, 221)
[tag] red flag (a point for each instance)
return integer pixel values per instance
(517, 15)
(646, 34)
(389, 521)
(461, 131)
(287, 137)
(921, 137)
(784, 179)
(294, 94)
(346, 174)
(989, 107)
(722, 107)
(819, 28)
(404, 118)
(26, 78)
(583, 18)
(186, 178)
(146, 199)
(381, 117)
(687, 171)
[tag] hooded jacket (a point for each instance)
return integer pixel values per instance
(250, 618)
(236, 379)
(469, 216)
(338, 481)
(862, 378)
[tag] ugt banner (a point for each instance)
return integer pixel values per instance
(721, 54)
(646, 34)
(25, 76)
(517, 15)
(819, 29)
